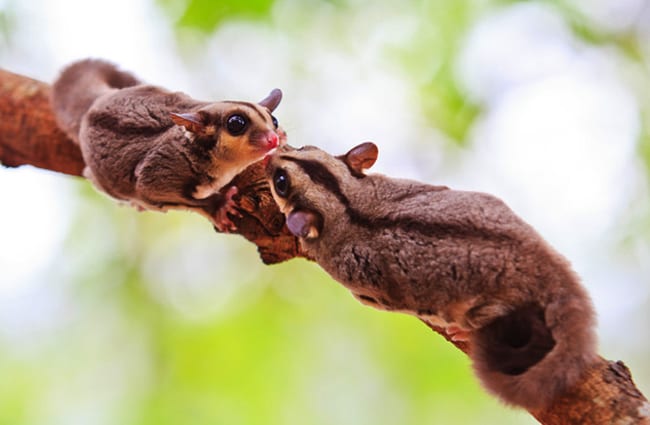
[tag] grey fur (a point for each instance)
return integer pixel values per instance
(452, 258)
(135, 151)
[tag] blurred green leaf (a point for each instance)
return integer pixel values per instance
(5, 27)
(448, 109)
(19, 386)
(430, 58)
(644, 146)
(627, 43)
(207, 15)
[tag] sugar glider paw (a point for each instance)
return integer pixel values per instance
(457, 334)
(222, 221)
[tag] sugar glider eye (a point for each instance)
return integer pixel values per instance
(274, 120)
(236, 124)
(281, 183)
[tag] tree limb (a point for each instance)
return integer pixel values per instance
(29, 136)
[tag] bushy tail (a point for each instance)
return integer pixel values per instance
(79, 85)
(532, 355)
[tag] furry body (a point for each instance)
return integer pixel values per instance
(461, 260)
(155, 148)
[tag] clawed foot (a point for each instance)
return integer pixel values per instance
(222, 222)
(457, 334)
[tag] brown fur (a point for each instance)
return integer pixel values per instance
(459, 258)
(155, 148)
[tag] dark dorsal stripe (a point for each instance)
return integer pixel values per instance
(254, 107)
(322, 176)
(319, 174)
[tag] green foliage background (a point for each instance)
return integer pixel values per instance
(250, 344)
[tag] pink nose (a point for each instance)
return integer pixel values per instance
(272, 140)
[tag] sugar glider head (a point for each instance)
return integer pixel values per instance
(238, 133)
(313, 188)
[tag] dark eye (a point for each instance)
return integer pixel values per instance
(274, 120)
(281, 183)
(236, 124)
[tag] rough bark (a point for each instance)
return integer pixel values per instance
(29, 136)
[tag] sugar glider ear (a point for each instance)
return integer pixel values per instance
(361, 157)
(272, 100)
(192, 121)
(305, 224)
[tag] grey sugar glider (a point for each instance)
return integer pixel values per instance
(456, 259)
(159, 149)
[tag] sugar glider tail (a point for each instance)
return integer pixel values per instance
(533, 355)
(79, 84)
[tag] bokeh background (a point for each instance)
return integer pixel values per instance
(110, 316)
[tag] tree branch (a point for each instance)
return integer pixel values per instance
(29, 136)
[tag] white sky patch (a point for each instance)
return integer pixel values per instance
(513, 46)
(131, 33)
(564, 145)
(559, 134)
(33, 223)
(614, 15)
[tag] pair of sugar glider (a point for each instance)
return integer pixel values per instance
(458, 260)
